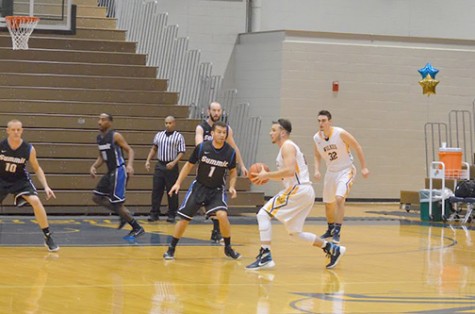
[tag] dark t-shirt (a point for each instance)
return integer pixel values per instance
(213, 163)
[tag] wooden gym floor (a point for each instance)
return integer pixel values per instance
(393, 264)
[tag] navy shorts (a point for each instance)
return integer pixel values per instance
(18, 189)
(213, 199)
(113, 185)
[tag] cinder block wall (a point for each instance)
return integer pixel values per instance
(380, 101)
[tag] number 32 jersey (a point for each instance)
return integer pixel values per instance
(333, 150)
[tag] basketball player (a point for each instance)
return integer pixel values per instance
(203, 133)
(292, 205)
(333, 144)
(110, 191)
(15, 179)
(214, 159)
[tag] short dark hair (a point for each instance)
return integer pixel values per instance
(109, 116)
(221, 124)
(325, 113)
(284, 124)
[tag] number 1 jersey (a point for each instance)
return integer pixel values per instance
(213, 163)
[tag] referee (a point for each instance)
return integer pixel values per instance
(169, 147)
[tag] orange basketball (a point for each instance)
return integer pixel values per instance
(256, 168)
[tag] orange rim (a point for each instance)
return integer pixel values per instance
(16, 21)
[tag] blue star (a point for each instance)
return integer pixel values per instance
(428, 69)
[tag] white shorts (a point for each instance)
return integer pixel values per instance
(292, 206)
(338, 184)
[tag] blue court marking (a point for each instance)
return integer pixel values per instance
(15, 232)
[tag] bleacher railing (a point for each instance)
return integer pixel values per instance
(186, 74)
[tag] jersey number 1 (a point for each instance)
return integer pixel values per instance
(211, 171)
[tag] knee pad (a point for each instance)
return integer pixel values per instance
(263, 219)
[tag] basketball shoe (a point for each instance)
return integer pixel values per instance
(263, 260)
(216, 236)
(329, 232)
(336, 237)
(334, 252)
(49, 243)
(169, 254)
(228, 250)
(135, 233)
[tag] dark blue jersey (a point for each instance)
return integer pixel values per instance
(13, 162)
(110, 152)
(213, 163)
(207, 131)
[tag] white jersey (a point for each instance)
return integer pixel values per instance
(333, 150)
(301, 170)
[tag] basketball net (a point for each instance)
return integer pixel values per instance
(20, 28)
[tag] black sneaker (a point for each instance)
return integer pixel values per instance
(216, 236)
(171, 219)
(153, 218)
(336, 237)
(263, 260)
(169, 254)
(135, 233)
(334, 252)
(49, 243)
(228, 250)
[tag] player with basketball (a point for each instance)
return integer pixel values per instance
(334, 145)
(215, 158)
(292, 205)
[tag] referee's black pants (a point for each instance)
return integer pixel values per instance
(163, 180)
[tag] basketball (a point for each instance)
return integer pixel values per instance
(256, 168)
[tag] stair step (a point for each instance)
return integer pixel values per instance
(78, 182)
(88, 151)
(70, 166)
(73, 56)
(76, 68)
(81, 123)
(89, 136)
(82, 81)
(37, 42)
(96, 22)
(87, 95)
(82, 108)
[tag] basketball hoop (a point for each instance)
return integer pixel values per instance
(20, 28)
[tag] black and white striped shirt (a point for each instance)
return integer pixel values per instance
(169, 145)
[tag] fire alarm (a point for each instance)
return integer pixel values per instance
(335, 86)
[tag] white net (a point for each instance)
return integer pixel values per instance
(20, 28)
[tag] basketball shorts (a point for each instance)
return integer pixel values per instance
(113, 185)
(18, 189)
(292, 206)
(338, 184)
(213, 199)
